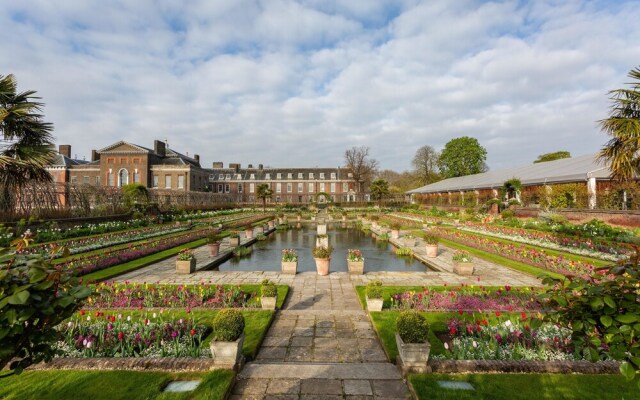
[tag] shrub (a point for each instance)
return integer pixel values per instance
(248, 227)
(374, 290)
(322, 252)
(261, 237)
(234, 235)
(404, 251)
(185, 255)
(430, 239)
(228, 325)
(412, 327)
(268, 288)
(507, 214)
(375, 218)
(396, 226)
(289, 255)
(213, 238)
(241, 251)
(354, 255)
(384, 237)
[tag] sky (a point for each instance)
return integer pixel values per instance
(296, 83)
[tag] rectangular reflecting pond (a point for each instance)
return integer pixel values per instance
(379, 256)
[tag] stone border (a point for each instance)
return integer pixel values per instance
(524, 366)
(176, 364)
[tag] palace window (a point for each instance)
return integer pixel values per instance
(252, 176)
(310, 175)
(267, 176)
(123, 177)
(311, 187)
(220, 187)
(333, 187)
(167, 181)
(227, 188)
(136, 177)
(111, 179)
(278, 175)
(321, 175)
(278, 187)
(300, 187)
(333, 175)
(289, 175)
(300, 175)
(322, 186)
(240, 188)
(345, 187)
(85, 180)
(252, 187)
(155, 181)
(180, 181)
(289, 187)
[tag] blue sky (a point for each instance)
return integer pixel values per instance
(295, 83)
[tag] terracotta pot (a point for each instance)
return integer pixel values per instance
(271, 224)
(248, 233)
(322, 265)
(356, 267)
(186, 267)
(289, 267)
(344, 218)
(299, 218)
(234, 242)
(463, 268)
(432, 250)
(227, 353)
(413, 354)
(395, 234)
(374, 304)
(214, 249)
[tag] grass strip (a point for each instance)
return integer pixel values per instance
(525, 386)
(505, 262)
(110, 385)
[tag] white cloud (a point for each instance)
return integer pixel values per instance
(296, 83)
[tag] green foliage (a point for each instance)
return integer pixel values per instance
(512, 186)
(34, 298)
(462, 156)
(241, 251)
(430, 239)
(568, 195)
(558, 155)
(228, 325)
(379, 188)
(412, 327)
(461, 256)
(322, 252)
(268, 289)
(213, 238)
(135, 193)
(404, 251)
(507, 214)
(374, 289)
(603, 314)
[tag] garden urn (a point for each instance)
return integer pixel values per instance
(214, 249)
(234, 241)
(227, 353)
(355, 267)
(268, 303)
(322, 265)
(248, 233)
(374, 304)
(413, 354)
(271, 224)
(395, 233)
(186, 266)
(432, 250)
(463, 268)
(289, 267)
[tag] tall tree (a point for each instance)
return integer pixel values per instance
(379, 189)
(26, 147)
(462, 156)
(425, 164)
(558, 155)
(264, 192)
(622, 151)
(361, 165)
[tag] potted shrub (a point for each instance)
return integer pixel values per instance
(410, 240)
(299, 216)
(271, 224)
(374, 296)
(322, 256)
(355, 262)
(412, 332)
(462, 263)
(289, 261)
(234, 239)
(493, 205)
(186, 262)
(431, 242)
(281, 218)
(268, 294)
(228, 337)
(213, 242)
(344, 215)
(395, 230)
(248, 231)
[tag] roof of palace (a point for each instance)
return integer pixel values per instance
(566, 170)
(260, 174)
(60, 160)
(171, 156)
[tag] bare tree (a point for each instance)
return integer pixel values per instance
(425, 164)
(361, 165)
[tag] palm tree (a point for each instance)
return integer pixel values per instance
(263, 192)
(622, 152)
(26, 143)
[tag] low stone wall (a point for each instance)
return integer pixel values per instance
(177, 364)
(524, 366)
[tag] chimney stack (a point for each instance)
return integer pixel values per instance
(260, 166)
(197, 158)
(217, 164)
(65, 150)
(94, 155)
(159, 148)
(250, 166)
(235, 166)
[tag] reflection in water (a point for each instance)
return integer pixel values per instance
(378, 255)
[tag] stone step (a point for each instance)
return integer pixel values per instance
(322, 313)
(370, 371)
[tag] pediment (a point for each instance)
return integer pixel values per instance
(123, 147)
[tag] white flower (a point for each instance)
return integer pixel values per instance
(154, 315)
(89, 344)
(475, 344)
(88, 318)
(84, 342)
(69, 324)
(446, 345)
(129, 318)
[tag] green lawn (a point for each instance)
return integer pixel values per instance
(526, 387)
(111, 385)
(506, 262)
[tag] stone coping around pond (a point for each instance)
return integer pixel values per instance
(524, 366)
(176, 364)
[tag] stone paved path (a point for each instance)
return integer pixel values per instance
(321, 346)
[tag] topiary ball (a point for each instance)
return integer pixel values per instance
(412, 327)
(228, 325)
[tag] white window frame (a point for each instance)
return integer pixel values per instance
(240, 188)
(278, 175)
(311, 175)
(322, 187)
(278, 187)
(321, 175)
(252, 188)
(252, 176)
(312, 187)
(289, 187)
(345, 187)
(300, 187)
(227, 188)
(267, 176)
(333, 175)
(332, 187)
(220, 187)
(300, 175)
(167, 179)
(180, 181)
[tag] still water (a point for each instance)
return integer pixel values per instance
(267, 254)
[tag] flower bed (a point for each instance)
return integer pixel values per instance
(522, 254)
(468, 299)
(524, 338)
(85, 265)
(581, 246)
(111, 336)
(115, 295)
